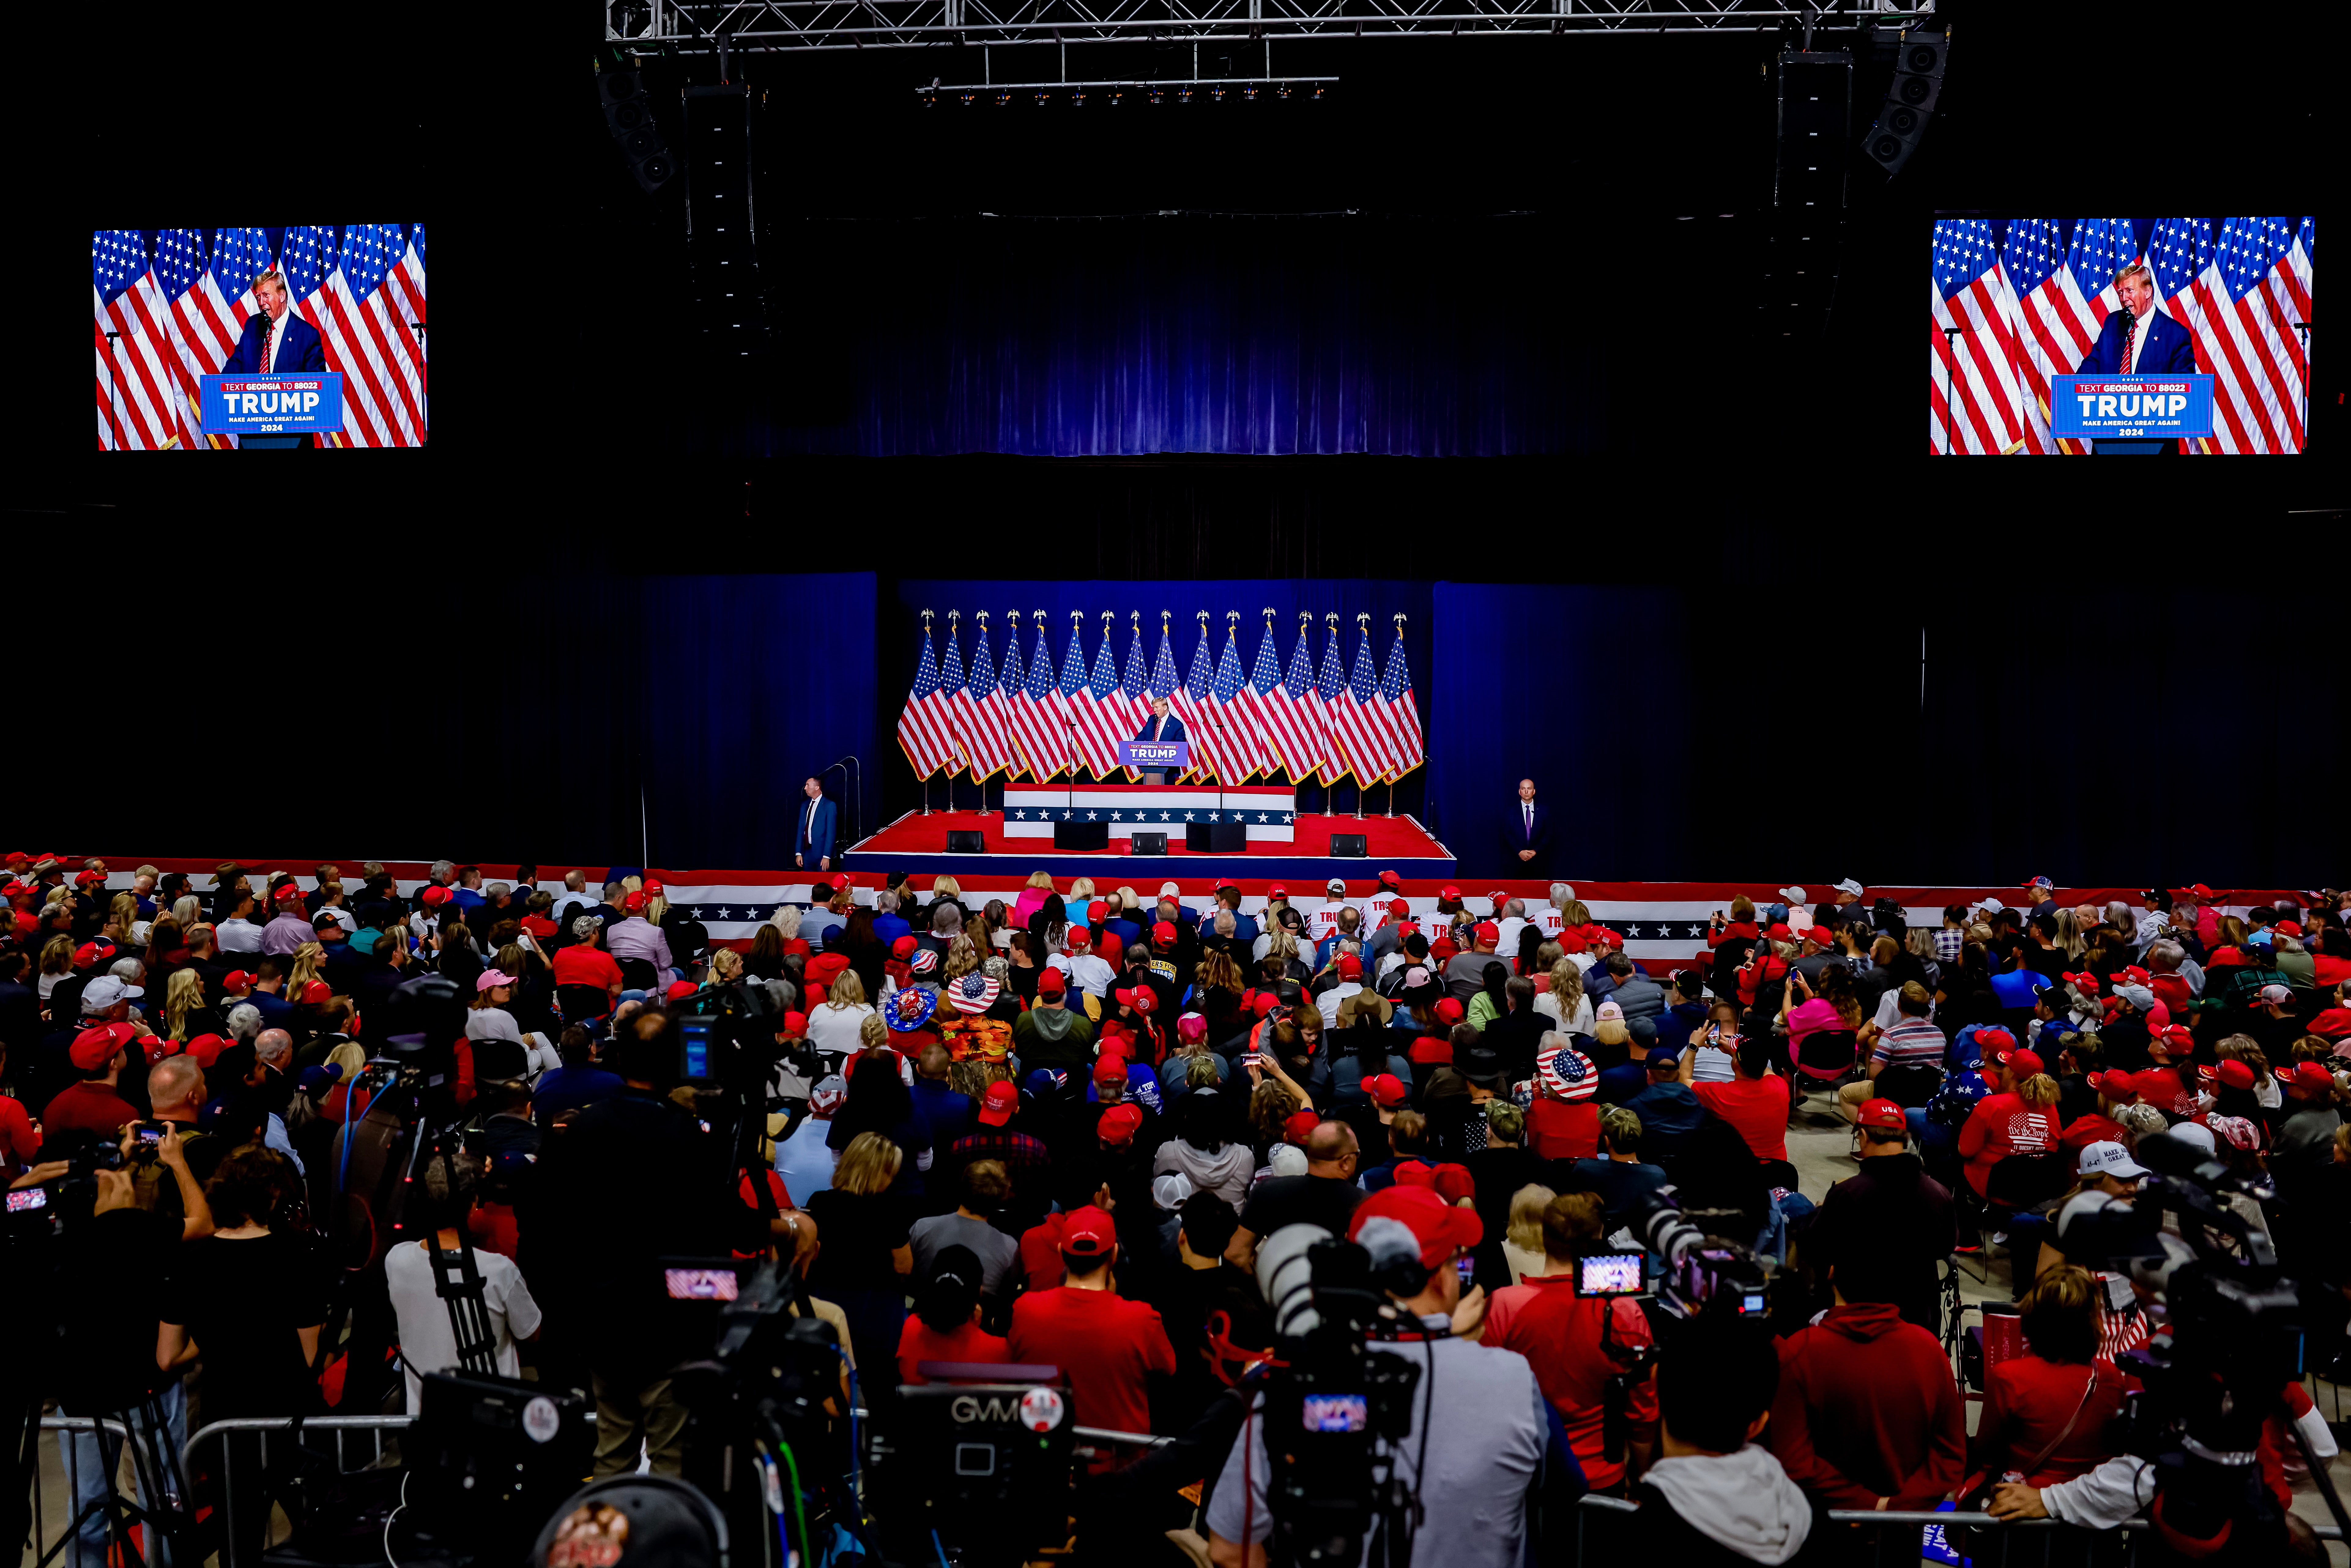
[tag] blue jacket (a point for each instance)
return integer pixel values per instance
(813, 838)
(300, 350)
(1172, 730)
(1669, 1113)
(2168, 351)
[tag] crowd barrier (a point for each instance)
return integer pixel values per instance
(1896, 1536)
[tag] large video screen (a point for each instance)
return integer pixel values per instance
(217, 339)
(2094, 336)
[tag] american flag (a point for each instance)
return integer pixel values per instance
(364, 308)
(1975, 394)
(1067, 694)
(955, 701)
(1331, 686)
(179, 264)
(1403, 719)
(1270, 711)
(1162, 669)
(1356, 723)
(139, 392)
(2051, 332)
(1134, 689)
(924, 731)
(213, 313)
(2254, 301)
(1099, 709)
(1191, 705)
(1044, 744)
(986, 738)
(1009, 688)
(1301, 707)
(1240, 753)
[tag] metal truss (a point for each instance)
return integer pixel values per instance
(698, 26)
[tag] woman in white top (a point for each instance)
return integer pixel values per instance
(834, 1023)
(1712, 1051)
(1565, 1002)
(490, 1019)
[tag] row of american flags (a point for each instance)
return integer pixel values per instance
(2028, 296)
(178, 300)
(1306, 721)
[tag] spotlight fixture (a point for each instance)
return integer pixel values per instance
(1318, 93)
(1249, 95)
(930, 101)
(1158, 94)
(1041, 96)
(1283, 91)
(1183, 95)
(1117, 97)
(967, 98)
(1078, 99)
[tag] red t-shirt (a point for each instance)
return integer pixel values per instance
(585, 965)
(17, 1143)
(87, 1105)
(2028, 1402)
(918, 1342)
(1106, 1346)
(2329, 970)
(1564, 1129)
(776, 1190)
(1041, 1253)
(1558, 1331)
(2092, 1128)
(2002, 1126)
(539, 925)
(1757, 1107)
(492, 1226)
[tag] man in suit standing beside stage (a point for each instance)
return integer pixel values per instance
(813, 838)
(276, 343)
(2139, 339)
(1161, 725)
(1526, 833)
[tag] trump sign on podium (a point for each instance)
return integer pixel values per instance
(2130, 406)
(1157, 755)
(272, 405)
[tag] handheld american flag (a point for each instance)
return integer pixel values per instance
(1191, 705)
(1270, 712)
(1044, 745)
(954, 700)
(920, 735)
(1240, 756)
(1976, 396)
(1356, 722)
(990, 751)
(1401, 719)
(1303, 704)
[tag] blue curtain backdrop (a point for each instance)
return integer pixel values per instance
(1182, 600)
(1240, 335)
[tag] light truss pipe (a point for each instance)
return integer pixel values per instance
(987, 87)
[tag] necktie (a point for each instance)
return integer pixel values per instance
(1530, 821)
(808, 821)
(268, 326)
(2130, 335)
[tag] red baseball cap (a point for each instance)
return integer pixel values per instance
(1991, 1040)
(1164, 933)
(2288, 927)
(1265, 1002)
(1450, 1182)
(681, 988)
(995, 1107)
(1110, 1067)
(1880, 1114)
(318, 992)
(1449, 1010)
(1449, 891)
(2023, 1063)
(83, 878)
(2085, 982)
(434, 895)
(796, 1024)
(635, 903)
(1097, 912)
(96, 951)
(653, 888)
(1300, 1126)
(1142, 998)
(206, 1048)
(2115, 1083)
(1051, 982)
(2202, 892)
(1489, 932)
(1443, 948)
(1390, 879)
(1399, 908)
(1441, 1228)
(235, 981)
(2178, 1035)
(1780, 933)
(1350, 966)
(2224, 955)
(1118, 1126)
(2235, 1074)
(94, 1047)
(1277, 891)
(2306, 1074)
(1385, 1089)
(903, 947)
(1090, 1233)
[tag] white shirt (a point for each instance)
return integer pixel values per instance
(239, 937)
(1322, 922)
(1331, 999)
(834, 1031)
(277, 337)
(1090, 973)
(1510, 928)
(1581, 1023)
(2138, 342)
(425, 1341)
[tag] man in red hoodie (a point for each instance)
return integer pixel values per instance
(1867, 1415)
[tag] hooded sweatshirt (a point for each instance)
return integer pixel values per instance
(1054, 1036)
(1743, 1504)
(1866, 1409)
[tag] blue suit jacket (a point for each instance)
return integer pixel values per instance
(1172, 730)
(301, 348)
(816, 843)
(2168, 351)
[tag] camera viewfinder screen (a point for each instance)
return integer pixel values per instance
(1611, 1274)
(1335, 1412)
(27, 1198)
(696, 1033)
(700, 1284)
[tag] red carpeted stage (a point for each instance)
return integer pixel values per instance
(919, 843)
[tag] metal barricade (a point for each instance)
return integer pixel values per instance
(69, 1463)
(232, 1503)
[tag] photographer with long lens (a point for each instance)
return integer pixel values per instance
(1450, 1473)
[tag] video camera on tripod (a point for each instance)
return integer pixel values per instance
(2214, 1373)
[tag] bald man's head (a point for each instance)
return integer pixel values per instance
(274, 1046)
(1330, 1146)
(175, 1083)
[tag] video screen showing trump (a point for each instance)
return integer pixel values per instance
(2120, 337)
(259, 339)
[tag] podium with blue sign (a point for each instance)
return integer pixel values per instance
(2129, 417)
(265, 413)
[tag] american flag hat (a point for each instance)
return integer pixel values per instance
(911, 1009)
(1566, 1073)
(975, 993)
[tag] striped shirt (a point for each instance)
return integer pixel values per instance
(1909, 1041)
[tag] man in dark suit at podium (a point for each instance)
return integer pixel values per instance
(1527, 833)
(276, 343)
(2140, 341)
(1161, 725)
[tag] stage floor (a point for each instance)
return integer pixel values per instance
(919, 843)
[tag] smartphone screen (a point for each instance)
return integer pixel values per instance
(151, 1135)
(1464, 1267)
(696, 1032)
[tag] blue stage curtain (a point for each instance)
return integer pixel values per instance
(1261, 336)
(750, 686)
(1182, 600)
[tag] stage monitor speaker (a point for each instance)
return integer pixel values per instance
(1216, 838)
(965, 844)
(1350, 844)
(1148, 844)
(1081, 835)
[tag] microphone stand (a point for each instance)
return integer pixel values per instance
(114, 392)
(1949, 353)
(856, 785)
(425, 407)
(2304, 328)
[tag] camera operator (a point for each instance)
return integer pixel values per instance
(1479, 1422)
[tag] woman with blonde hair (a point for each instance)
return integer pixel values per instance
(867, 1254)
(309, 959)
(121, 915)
(1522, 1242)
(2069, 936)
(1080, 891)
(834, 1024)
(1565, 1002)
(187, 909)
(963, 958)
(786, 920)
(56, 962)
(726, 968)
(1032, 898)
(185, 1014)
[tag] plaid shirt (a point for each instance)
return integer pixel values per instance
(1019, 1150)
(1948, 943)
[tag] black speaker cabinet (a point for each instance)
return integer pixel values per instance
(1348, 845)
(1148, 844)
(1216, 838)
(965, 844)
(1081, 835)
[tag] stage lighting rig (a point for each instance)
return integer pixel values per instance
(1219, 89)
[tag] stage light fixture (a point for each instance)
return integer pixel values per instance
(1283, 90)
(1117, 97)
(930, 101)
(1002, 98)
(1184, 94)
(1249, 95)
(1318, 93)
(1158, 94)
(1217, 94)
(1041, 97)
(967, 98)
(1078, 99)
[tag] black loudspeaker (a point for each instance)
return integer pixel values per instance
(1216, 838)
(965, 844)
(1349, 844)
(1148, 844)
(618, 86)
(1917, 87)
(1081, 835)
(629, 116)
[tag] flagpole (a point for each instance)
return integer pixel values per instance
(981, 616)
(1363, 631)
(1391, 811)
(926, 777)
(953, 616)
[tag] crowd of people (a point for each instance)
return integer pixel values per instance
(1060, 1129)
